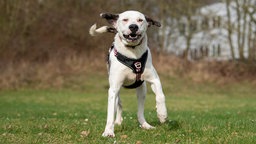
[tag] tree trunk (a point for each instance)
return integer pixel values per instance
(244, 31)
(188, 33)
(230, 32)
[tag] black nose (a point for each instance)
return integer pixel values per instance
(133, 27)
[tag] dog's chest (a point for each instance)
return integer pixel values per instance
(134, 68)
(130, 78)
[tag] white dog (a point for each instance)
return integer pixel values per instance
(130, 64)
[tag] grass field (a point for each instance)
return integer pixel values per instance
(198, 113)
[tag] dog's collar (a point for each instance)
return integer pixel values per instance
(133, 47)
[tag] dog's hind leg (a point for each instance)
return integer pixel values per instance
(119, 118)
(141, 95)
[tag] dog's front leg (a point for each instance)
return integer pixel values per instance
(160, 100)
(141, 95)
(112, 97)
(119, 118)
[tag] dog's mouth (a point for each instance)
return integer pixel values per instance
(133, 37)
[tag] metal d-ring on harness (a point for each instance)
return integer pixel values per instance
(136, 65)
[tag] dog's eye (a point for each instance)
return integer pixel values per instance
(125, 20)
(140, 20)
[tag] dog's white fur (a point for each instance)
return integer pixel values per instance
(120, 74)
(94, 32)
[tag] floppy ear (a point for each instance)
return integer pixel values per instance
(111, 18)
(152, 22)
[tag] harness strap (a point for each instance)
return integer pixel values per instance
(136, 84)
(136, 65)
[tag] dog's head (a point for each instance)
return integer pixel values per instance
(131, 26)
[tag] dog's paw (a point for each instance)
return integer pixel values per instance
(108, 133)
(162, 118)
(119, 121)
(147, 126)
(162, 113)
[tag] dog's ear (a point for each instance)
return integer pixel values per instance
(152, 22)
(111, 18)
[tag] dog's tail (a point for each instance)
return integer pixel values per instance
(94, 31)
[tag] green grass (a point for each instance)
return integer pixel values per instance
(198, 113)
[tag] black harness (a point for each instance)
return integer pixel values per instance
(136, 65)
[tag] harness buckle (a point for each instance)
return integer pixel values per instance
(137, 66)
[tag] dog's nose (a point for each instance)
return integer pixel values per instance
(133, 27)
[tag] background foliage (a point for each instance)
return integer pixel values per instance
(45, 43)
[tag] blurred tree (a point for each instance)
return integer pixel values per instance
(251, 10)
(230, 29)
(242, 27)
(40, 29)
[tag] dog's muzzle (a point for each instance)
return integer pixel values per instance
(134, 35)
